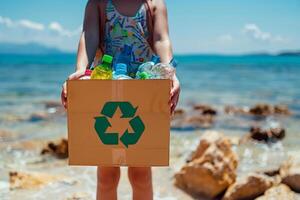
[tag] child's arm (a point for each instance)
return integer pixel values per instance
(163, 47)
(89, 39)
(88, 44)
(161, 40)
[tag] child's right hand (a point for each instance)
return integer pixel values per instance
(75, 76)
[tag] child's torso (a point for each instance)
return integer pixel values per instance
(132, 31)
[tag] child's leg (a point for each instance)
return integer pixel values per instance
(141, 182)
(107, 183)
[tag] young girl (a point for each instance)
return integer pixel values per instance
(143, 25)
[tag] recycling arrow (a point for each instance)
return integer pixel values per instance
(138, 127)
(101, 125)
(109, 109)
(128, 111)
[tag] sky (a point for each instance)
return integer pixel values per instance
(196, 26)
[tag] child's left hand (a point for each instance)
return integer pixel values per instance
(175, 91)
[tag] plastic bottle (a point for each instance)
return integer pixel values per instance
(144, 70)
(143, 75)
(125, 55)
(87, 75)
(162, 71)
(104, 70)
(120, 72)
(148, 65)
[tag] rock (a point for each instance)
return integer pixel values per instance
(6, 135)
(257, 134)
(265, 110)
(272, 172)
(179, 114)
(205, 109)
(260, 110)
(36, 117)
(282, 110)
(235, 110)
(264, 135)
(249, 187)
(54, 107)
(200, 121)
(201, 117)
(22, 180)
(52, 104)
(212, 167)
(290, 174)
(278, 192)
(179, 111)
(60, 150)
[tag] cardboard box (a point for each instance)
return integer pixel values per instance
(119, 122)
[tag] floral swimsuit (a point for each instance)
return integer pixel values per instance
(123, 30)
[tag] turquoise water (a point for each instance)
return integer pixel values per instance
(217, 80)
(212, 79)
(26, 81)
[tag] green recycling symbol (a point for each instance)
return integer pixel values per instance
(128, 111)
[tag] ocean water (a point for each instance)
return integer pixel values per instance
(27, 82)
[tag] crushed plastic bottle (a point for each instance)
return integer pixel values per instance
(120, 72)
(144, 70)
(104, 70)
(155, 70)
(162, 71)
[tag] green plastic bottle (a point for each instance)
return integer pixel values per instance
(104, 70)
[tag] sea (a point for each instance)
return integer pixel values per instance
(28, 81)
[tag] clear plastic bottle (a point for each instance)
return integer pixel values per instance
(104, 70)
(144, 70)
(148, 65)
(120, 72)
(162, 71)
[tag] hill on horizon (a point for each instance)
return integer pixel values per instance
(40, 49)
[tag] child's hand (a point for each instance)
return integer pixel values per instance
(175, 91)
(74, 76)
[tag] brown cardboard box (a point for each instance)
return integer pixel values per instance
(119, 122)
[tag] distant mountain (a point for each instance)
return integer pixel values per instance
(28, 48)
(281, 53)
(290, 53)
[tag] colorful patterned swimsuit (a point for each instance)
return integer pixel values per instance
(132, 31)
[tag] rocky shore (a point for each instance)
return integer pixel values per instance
(211, 173)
